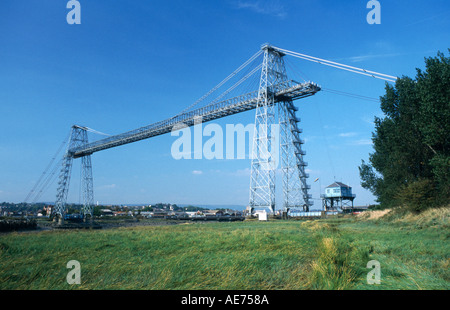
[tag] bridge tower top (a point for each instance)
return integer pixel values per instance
(271, 49)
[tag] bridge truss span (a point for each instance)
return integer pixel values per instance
(289, 90)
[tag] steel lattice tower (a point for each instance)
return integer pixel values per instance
(265, 154)
(78, 139)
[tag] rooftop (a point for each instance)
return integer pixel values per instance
(337, 184)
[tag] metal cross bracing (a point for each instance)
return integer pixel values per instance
(275, 88)
(264, 159)
(78, 138)
(295, 188)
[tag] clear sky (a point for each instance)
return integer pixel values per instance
(131, 63)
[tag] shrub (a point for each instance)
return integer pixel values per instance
(418, 196)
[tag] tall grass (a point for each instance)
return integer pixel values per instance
(337, 262)
(197, 256)
(413, 249)
(288, 255)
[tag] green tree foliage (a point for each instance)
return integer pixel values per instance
(418, 195)
(411, 158)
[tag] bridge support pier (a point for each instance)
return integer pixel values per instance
(264, 161)
(78, 138)
(265, 154)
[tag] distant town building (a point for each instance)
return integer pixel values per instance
(212, 213)
(106, 212)
(48, 210)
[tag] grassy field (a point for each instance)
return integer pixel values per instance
(277, 255)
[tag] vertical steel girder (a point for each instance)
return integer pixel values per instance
(78, 138)
(262, 181)
(88, 186)
(264, 153)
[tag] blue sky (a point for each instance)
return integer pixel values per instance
(131, 63)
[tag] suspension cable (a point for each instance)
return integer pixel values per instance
(236, 85)
(97, 132)
(40, 181)
(48, 181)
(245, 64)
(373, 74)
(338, 92)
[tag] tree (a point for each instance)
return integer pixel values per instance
(411, 143)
